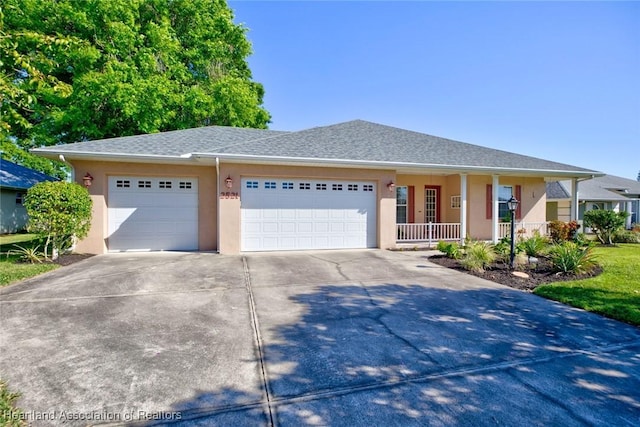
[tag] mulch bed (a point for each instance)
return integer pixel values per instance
(68, 259)
(539, 273)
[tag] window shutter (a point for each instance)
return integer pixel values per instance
(518, 196)
(411, 214)
(489, 203)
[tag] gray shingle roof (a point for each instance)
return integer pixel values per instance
(557, 190)
(603, 188)
(354, 141)
(172, 143)
(19, 177)
(365, 141)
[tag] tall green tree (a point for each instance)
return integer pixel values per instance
(80, 70)
(25, 63)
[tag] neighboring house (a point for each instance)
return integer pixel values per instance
(15, 180)
(350, 185)
(604, 192)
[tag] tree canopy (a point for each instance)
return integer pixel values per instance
(80, 70)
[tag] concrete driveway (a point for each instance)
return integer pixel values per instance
(318, 338)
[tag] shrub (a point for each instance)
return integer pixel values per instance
(27, 254)
(624, 236)
(581, 239)
(573, 228)
(477, 256)
(535, 245)
(605, 223)
(450, 249)
(568, 257)
(502, 249)
(558, 231)
(561, 231)
(58, 211)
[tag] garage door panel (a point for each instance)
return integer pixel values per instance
(288, 227)
(318, 227)
(307, 214)
(152, 213)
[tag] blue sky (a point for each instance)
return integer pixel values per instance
(556, 80)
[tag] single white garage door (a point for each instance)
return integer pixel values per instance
(282, 214)
(152, 213)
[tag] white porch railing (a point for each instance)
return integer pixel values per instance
(429, 232)
(523, 229)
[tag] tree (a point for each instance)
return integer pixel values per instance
(605, 223)
(59, 211)
(24, 63)
(80, 70)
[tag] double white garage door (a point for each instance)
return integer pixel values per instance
(276, 214)
(281, 214)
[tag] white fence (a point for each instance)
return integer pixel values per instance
(436, 231)
(523, 229)
(429, 232)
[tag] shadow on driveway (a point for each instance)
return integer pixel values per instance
(353, 338)
(394, 354)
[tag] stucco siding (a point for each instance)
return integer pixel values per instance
(533, 202)
(96, 241)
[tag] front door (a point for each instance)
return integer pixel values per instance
(431, 203)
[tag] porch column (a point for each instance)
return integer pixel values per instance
(463, 207)
(628, 207)
(574, 199)
(495, 233)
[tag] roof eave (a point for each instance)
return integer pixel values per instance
(112, 157)
(399, 166)
(402, 167)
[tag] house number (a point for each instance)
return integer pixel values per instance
(229, 195)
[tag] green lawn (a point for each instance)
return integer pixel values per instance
(615, 293)
(11, 270)
(8, 240)
(10, 416)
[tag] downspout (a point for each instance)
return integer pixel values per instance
(217, 205)
(73, 170)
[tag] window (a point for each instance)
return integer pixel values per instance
(123, 183)
(164, 184)
(402, 201)
(336, 187)
(19, 199)
(304, 186)
(144, 184)
(367, 187)
(287, 185)
(252, 184)
(321, 187)
(185, 185)
(504, 194)
(455, 202)
(269, 185)
(352, 187)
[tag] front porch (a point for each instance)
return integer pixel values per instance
(431, 233)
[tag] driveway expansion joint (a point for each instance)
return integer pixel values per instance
(126, 295)
(471, 370)
(258, 340)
